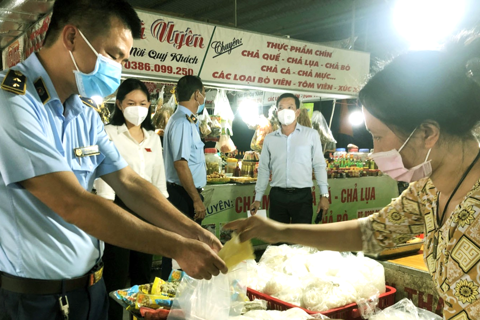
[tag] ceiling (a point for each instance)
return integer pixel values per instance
(309, 20)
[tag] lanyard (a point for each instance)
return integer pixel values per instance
(439, 222)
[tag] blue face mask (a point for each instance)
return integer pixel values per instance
(201, 106)
(103, 80)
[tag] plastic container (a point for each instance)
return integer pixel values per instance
(348, 312)
(231, 165)
(213, 161)
(339, 152)
(248, 168)
(363, 154)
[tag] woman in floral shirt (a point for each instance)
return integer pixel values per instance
(421, 110)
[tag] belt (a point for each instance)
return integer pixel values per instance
(200, 190)
(291, 189)
(40, 286)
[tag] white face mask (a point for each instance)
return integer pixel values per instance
(135, 114)
(286, 116)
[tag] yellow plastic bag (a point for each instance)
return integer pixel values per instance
(234, 251)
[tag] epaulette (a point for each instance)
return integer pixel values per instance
(192, 118)
(14, 82)
(90, 103)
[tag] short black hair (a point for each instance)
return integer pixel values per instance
(93, 17)
(428, 85)
(127, 86)
(289, 95)
(186, 86)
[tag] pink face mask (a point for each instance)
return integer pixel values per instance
(391, 163)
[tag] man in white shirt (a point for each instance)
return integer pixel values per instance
(289, 154)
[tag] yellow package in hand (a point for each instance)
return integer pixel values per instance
(234, 251)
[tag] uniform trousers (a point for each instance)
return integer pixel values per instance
(120, 264)
(179, 197)
(84, 304)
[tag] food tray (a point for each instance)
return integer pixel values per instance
(218, 180)
(348, 312)
(401, 249)
(243, 180)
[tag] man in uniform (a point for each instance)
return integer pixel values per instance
(290, 154)
(53, 147)
(184, 155)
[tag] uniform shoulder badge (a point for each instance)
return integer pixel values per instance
(90, 103)
(14, 82)
(192, 118)
(42, 90)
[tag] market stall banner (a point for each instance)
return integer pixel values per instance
(350, 198)
(270, 98)
(13, 54)
(35, 35)
(168, 48)
(243, 58)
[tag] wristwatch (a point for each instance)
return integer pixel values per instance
(325, 195)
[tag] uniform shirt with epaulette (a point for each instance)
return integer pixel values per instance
(41, 136)
(182, 140)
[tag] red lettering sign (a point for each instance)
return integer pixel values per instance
(165, 31)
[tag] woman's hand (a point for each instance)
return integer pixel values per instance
(257, 227)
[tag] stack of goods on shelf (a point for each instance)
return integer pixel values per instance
(351, 165)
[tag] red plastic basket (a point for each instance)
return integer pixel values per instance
(348, 312)
(151, 314)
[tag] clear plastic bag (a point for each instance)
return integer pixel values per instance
(272, 117)
(404, 310)
(261, 132)
(161, 96)
(326, 137)
(304, 119)
(225, 144)
(171, 102)
(215, 126)
(222, 106)
(205, 122)
(161, 117)
(326, 292)
(202, 299)
(214, 299)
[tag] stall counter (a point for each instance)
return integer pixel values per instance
(350, 198)
(410, 276)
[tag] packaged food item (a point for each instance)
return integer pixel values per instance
(303, 119)
(128, 296)
(273, 119)
(231, 165)
(326, 137)
(215, 126)
(234, 251)
(161, 95)
(157, 285)
(213, 161)
(153, 301)
(160, 119)
(169, 289)
(248, 168)
(261, 132)
(176, 276)
(205, 121)
(225, 144)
